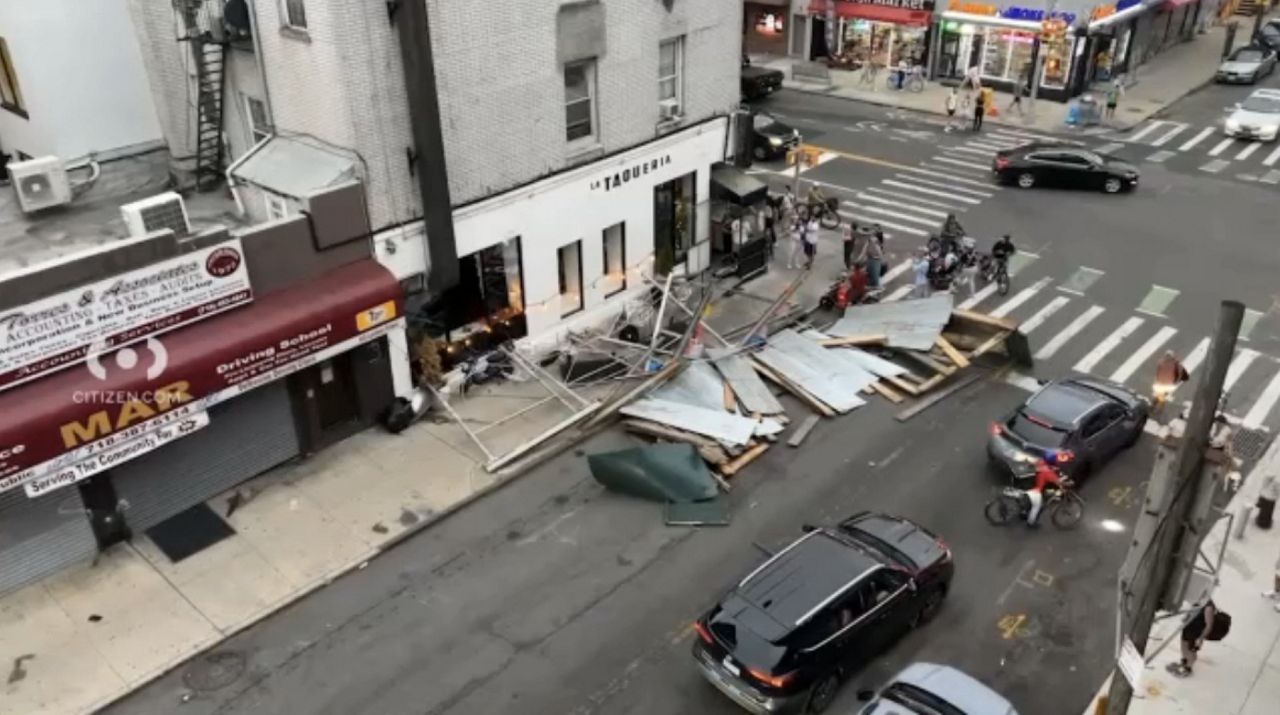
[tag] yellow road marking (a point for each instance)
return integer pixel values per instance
(1042, 578)
(861, 158)
(1011, 626)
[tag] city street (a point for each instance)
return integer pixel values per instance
(554, 596)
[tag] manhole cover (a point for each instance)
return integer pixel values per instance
(1250, 444)
(214, 671)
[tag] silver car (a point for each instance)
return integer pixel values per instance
(1257, 117)
(1247, 65)
(929, 688)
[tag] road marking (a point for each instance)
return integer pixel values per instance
(899, 204)
(1197, 355)
(1022, 296)
(984, 293)
(1108, 148)
(1022, 137)
(1042, 578)
(1248, 323)
(1221, 146)
(1154, 125)
(1243, 359)
(939, 184)
(931, 192)
(1215, 166)
(916, 199)
(896, 271)
(994, 147)
(895, 226)
(1161, 155)
(1245, 152)
(1140, 356)
(1045, 313)
(1266, 401)
(1272, 158)
(1100, 351)
(1271, 177)
(1165, 138)
(894, 214)
(1021, 260)
(1011, 626)
(953, 177)
(1157, 300)
(856, 157)
(1017, 580)
(1191, 143)
(1081, 280)
(899, 293)
(970, 150)
(967, 164)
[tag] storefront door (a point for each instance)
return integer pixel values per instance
(41, 536)
(673, 217)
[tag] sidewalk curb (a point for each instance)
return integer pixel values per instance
(506, 477)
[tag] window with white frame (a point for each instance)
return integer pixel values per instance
(255, 111)
(670, 77)
(614, 278)
(293, 13)
(277, 207)
(579, 100)
(569, 258)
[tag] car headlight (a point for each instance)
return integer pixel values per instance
(1233, 125)
(775, 141)
(1269, 132)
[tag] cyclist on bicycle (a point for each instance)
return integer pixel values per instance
(1047, 475)
(1003, 249)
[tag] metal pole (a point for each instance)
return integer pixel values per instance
(1038, 67)
(1156, 555)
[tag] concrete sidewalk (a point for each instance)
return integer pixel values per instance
(1168, 77)
(1239, 675)
(85, 637)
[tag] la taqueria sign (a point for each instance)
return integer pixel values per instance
(64, 329)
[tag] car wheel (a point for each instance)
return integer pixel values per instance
(759, 153)
(1112, 185)
(822, 693)
(1137, 434)
(1026, 180)
(932, 604)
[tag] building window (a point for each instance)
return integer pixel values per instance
(295, 14)
(259, 123)
(579, 100)
(670, 86)
(10, 92)
(277, 207)
(614, 278)
(570, 262)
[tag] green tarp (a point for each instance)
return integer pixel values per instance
(660, 472)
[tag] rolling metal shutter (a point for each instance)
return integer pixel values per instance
(41, 536)
(246, 436)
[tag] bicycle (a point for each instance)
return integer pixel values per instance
(867, 77)
(1064, 506)
(996, 270)
(827, 212)
(914, 81)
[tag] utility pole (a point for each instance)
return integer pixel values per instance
(1174, 488)
(1038, 68)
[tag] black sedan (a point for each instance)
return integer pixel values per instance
(1063, 166)
(788, 633)
(771, 138)
(1082, 421)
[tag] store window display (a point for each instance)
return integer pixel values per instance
(1057, 63)
(1006, 54)
(885, 44)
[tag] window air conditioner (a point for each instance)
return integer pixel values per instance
(669, 108)
(160, 212)
(41, 183)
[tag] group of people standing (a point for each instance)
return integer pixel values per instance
(799, 225)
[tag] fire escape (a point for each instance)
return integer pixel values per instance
(208, 52)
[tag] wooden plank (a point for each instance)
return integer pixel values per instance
(887, 393)
(730, 400)
(996, 340)
(934, 399)
(746, 458)
(951, 352)
(904, 385)
(928, 362)
(984, 319)
(853, 340)
(802, 431)
(933, 381)
(708, 449)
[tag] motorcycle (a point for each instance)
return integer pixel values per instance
(1064, 506)
(849, 290)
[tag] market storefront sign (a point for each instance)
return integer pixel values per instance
(635, 170)
(64, 330)
(105, 459)
(1013, 12)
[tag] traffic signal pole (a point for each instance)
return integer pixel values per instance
(1173, 490)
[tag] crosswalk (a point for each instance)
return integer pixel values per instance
(1212, 151)
(1068, 333)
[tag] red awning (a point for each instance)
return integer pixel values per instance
(63, 415)
(877, 13)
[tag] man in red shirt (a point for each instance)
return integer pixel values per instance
(1046, 475)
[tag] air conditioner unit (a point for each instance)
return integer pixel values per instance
(669, 108)
(160, 212)
(41, 183)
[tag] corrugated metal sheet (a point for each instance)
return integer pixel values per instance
(807, 364)
(909, 324)
(697, 385)
(755, 396)
(717, 424)
(295, 167)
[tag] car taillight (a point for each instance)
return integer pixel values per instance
(996, 429)
(773, 681)
(703, 633)
(1002, 163)
(1064, 456)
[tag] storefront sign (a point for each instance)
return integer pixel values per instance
(617, 179)
(105, 459)
(63, 330)
(1014, 12)
(899, 4)
(973, 8)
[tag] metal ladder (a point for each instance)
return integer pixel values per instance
(210, 85)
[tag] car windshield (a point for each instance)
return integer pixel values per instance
(1036, 431)
(1249, 55)
(1262, 105)
(917, 700)
(763, 121)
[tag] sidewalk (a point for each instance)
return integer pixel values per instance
(1239, 675)
(1171, 75)
(88, 636)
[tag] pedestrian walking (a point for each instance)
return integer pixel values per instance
(796, 240)
(875, 257)
(1274, 593)
(1020, 88)
(979, 110)
(968, 277)
(953, 103)
(1266, 504)
(810, 237)
(920, 264)
(788, 205)
(1114, 91)
(1208, 623)
(847, 235)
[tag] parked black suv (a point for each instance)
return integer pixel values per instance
(784, 637)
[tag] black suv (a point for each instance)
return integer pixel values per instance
(784, 637)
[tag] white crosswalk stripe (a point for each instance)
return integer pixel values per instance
(1272, 157)
(1221, 146)
(944, 185)
(930, 192)
(978, 297)
(1153, 126)
(1243, 359)
(1166, 137)
(959, 162)
(861, 208)
(1080, 323)
(898, 293)
(1257, 414)
(1142, 354)
(864, 218)
(1197, 355)
(1251, 148)
(891, 202)
(944, 175)
(901, 196)
(1021, 297)
(970, 150)
(894, 272)
(1021, 137)
(990, 146)
(1043, 314)
(1193, 141)
(1102, 349)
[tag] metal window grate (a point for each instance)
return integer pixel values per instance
(1250, 444)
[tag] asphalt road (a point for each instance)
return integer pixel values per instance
(553, 596)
